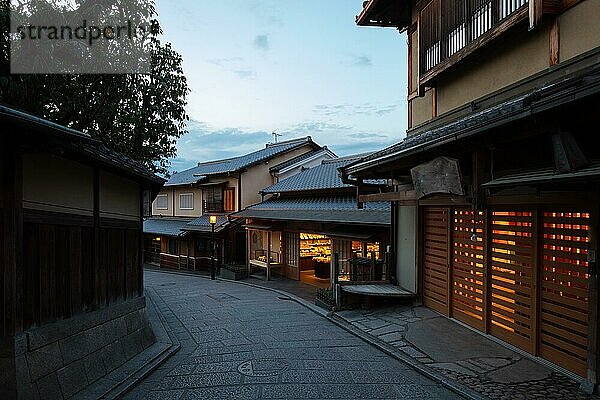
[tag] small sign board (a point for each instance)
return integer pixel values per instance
(441, 175)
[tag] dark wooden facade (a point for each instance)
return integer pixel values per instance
(55, 265)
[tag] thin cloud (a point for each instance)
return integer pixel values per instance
(261, 42)
(330, 110)
(363, 61)
(224, 62)
(246, 74)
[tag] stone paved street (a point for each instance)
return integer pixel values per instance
(240, 342)
(464, 356)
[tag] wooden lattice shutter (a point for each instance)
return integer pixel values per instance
(564, 290)
(435, 255)
(512, 277)
(468, 267)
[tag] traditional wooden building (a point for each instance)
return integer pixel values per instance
(307, 218)
(179, 233)
(496, 187)
(71, 285)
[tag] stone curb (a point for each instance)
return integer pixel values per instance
(129, 382)
(430, 373)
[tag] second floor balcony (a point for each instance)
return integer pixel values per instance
(450, 30)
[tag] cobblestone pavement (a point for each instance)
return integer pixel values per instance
(240, 342)
(462, 355)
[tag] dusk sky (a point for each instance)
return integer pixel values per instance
(299, 67)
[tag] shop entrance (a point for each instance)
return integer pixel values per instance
(315, 259)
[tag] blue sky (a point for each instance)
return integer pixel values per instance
(299, 67)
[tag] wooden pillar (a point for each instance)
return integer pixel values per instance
(268, 255)
(248, 249)
(12, 188)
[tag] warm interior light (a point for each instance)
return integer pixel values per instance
(212, 219)
(157, 239)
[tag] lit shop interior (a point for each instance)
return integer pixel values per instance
(307, 256)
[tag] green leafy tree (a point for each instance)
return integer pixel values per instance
(141, 115)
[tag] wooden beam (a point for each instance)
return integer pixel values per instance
(405, 198)
(536, 11)
(555, 42)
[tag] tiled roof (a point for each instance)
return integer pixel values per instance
(235, 164)
(165, 227)
(324, 176)
(341, 209)
(551, 95)
(439, 134)
(298, 159)
(80, 142)
(202, 224)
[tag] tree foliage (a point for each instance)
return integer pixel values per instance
(141, 115)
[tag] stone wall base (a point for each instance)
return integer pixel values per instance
(58, 360)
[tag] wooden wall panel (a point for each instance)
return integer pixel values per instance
(60, 278)
(468, 267)
(75, 270)
(435, 255)
(565, 289)
(513, 277)
(87, 268)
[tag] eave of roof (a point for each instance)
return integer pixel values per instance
(385, 13)
(535, 102)
(81, 143)
(546, 176)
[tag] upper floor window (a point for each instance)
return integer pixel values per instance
(186, 201)
(214, 199)
(447, 27)
(162, 202)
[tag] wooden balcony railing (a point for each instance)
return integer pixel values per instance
(451, 29)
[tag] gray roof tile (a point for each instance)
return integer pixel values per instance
(165, 227)
(324, 176)
(295, 160)
(202, 224)
(341, 209)
(235, 164)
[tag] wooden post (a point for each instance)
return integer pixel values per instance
(373, 265)
(268, 255)
(12, 187)
(335, 258)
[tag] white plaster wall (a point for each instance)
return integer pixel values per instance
(406, 262)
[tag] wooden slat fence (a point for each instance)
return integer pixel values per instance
(519, 274)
